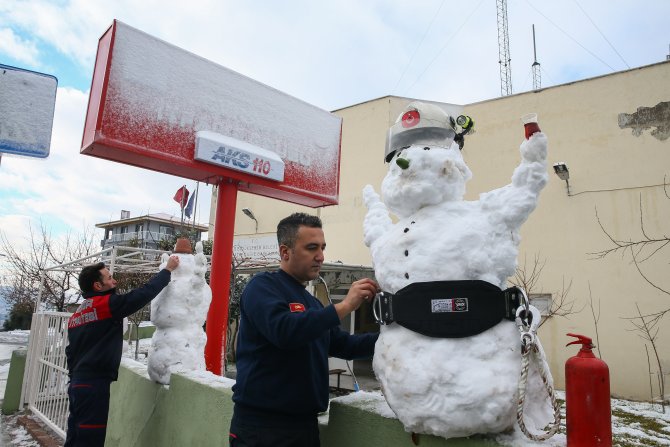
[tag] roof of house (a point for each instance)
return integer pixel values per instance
(156, 217)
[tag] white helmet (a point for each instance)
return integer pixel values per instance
(427, 124)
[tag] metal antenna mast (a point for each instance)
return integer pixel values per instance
(537, 80)
(503, 50)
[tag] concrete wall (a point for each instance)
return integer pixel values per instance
(17, 366)
(616, 169)
(145, 332)
(195, 410)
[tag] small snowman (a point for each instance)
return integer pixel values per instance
(179, 312)
(450, 387)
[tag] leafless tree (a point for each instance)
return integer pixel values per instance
(647, 329)
(527, 276)
(28, 267)
(595, 313)
(641, 249)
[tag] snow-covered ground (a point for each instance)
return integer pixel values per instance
(633, 423)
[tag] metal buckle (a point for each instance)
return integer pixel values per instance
(381, 308)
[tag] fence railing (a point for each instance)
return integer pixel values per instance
(46, 376)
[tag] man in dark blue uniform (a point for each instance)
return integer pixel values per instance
(95, 334)
(286, 336)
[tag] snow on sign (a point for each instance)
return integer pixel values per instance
(149, 99)
(27, 102)
(238, 155)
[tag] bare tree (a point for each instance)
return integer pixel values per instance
(29, 268)
(647, 329)
(641, 249)
(527, 277)
(595, 313)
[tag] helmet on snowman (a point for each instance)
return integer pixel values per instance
(426, 124)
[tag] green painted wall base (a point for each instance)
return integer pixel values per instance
(17, 366)
(145, 332)
(195, 410)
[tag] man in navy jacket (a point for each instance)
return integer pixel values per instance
(285, 339)
(95, 334)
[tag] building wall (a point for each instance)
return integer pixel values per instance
(613, 171)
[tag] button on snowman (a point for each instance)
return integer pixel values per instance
(179, 312)
(450, 387)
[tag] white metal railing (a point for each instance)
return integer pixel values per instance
(46, 377)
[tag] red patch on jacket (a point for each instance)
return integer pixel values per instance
(296, 307)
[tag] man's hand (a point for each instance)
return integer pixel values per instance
(173, 263)
(362, 290)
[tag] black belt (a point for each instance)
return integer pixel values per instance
(448, 309)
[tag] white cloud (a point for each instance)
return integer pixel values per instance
(19, 49)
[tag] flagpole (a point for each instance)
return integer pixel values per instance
(181, 203)
(195, 205)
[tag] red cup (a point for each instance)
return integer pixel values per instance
(530, 124)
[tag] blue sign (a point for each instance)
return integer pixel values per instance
(27, 102)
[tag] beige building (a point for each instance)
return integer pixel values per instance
(612, 134)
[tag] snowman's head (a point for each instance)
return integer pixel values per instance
(422, 124)
(420, 176)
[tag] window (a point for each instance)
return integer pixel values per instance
(542, 301)
(124, 230)
(139, 228)
(164, 229)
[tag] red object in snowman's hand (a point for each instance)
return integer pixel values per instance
(530, 124)
(411, 118)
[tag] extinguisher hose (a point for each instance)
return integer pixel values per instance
(535, 349)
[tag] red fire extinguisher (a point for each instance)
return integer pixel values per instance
(587, 398)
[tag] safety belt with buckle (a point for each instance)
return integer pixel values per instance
(448, 309)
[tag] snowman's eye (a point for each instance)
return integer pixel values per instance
(397, 154)
(426, 148)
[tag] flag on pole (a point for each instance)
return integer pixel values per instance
(181, 196)
(189, 206)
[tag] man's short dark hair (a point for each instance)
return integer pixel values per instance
(287, 228)
(90, 275)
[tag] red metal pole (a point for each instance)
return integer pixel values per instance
(219, 281)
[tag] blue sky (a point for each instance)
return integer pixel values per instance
(329, 53)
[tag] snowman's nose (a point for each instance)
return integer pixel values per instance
(402, 162)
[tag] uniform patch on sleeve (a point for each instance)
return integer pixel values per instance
(296, 307)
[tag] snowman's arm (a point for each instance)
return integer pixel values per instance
(377, 220)
(517, 200)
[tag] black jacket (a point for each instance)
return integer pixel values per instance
(95, 330)
(285, 338)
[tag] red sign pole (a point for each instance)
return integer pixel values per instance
(222, 258)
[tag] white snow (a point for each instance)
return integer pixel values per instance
(179, 312)
(445, 386)
(202, 95)
(27, 102)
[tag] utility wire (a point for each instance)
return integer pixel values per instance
(411, 59)
(601, 33)
(571, 38)
(444, 46)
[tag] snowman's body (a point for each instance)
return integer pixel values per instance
(178, 313)
(452, 386)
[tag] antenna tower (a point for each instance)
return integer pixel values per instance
(537, 80)
(503, 50)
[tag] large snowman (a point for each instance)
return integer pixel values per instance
(179, 312)
(450, 387)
